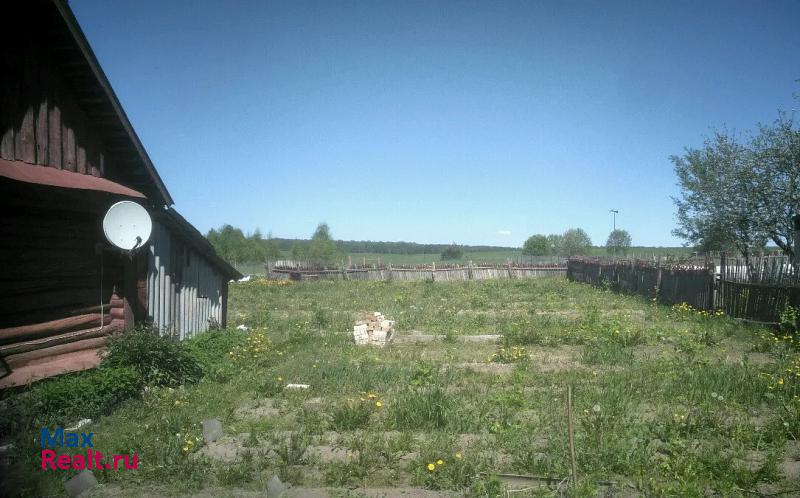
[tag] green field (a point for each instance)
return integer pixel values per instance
(477, 257)
(667, 401)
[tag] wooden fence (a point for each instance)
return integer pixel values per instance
(758, 289)
(300, 270)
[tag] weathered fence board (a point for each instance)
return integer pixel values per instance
(757, 289)
(301, 270)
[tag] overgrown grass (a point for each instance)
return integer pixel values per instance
(667, 402)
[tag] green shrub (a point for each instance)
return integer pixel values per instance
(790, 320)
(158, 359)
(70, 397)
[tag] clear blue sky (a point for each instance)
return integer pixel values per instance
(473, 122)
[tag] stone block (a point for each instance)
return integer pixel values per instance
(212, 430)
(80, 484)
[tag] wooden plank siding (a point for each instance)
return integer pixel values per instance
(185, 292)
(40, 119)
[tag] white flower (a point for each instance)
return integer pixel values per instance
(714, 395)
(596, 408)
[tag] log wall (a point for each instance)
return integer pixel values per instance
(40, 119)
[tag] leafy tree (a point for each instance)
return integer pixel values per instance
(271, 249)
(537, 245)
(574, 242)
(715, 182)
(232, 245)
(297, 251)
(555, 243)
(322, 248)
(742, 192)
(452, 252)
(619, 241)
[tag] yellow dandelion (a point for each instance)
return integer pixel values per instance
(458, 456)
(431, 467)
(440, 462)
(378, 404)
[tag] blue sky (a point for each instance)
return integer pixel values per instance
(473, 122)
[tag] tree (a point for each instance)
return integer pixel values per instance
(537, 245)
(297, 251)
(574, 242)
(322, 248)
(555, 243)
(271, 249)
(744, 193)
(619, 241)
(232, 245)
(452, 252)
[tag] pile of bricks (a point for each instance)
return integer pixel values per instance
(373, 329)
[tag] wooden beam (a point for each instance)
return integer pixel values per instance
(50, 327)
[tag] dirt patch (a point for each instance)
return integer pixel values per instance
(263, 408)
(489, 368)
(227, 449)
(791, 461)
(326, 453)
(752, 461)
(558, 359)
(419, 337)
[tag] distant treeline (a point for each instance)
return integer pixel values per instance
(367, 246)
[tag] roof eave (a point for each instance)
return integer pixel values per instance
(83, 45)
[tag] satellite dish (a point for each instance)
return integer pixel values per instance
(127, 225)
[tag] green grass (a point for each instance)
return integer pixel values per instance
(666, 402)
(477, 257)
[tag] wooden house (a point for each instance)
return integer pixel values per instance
(67, 153)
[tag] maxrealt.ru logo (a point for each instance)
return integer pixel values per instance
(90, 460)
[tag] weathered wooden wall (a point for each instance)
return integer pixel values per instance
(53, 301)
(40, 119)
(185, 293)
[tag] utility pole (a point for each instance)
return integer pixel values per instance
(614, 214)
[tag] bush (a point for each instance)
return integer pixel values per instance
(159, 360)
(452, 252)
(70, 397)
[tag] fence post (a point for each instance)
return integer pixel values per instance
(658, 282)
(469, 270)
(433, 272)
(721, 285)
(796, 248)
(390, 271)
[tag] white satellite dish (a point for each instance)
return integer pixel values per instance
(127, 225)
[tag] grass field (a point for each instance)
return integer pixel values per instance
(666, 401)
(490, 257)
